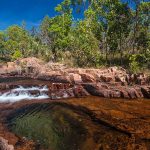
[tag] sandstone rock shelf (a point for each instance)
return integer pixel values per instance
(113, 82)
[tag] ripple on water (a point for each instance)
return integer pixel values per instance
(53, 127)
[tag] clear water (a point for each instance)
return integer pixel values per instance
(51, 126)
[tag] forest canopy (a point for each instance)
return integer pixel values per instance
(111, 32)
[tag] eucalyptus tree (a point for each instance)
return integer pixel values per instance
(55, 30)
(119, 25)
(17, 40)
(2, 44)
(85, 46)
(143, 36)
(136, 4)
(80, 3)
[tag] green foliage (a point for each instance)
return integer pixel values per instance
(2, 43)
(17, 39)
(17, 54)
(85, 46)
(134, 65)
(109, 31)
(137, 61)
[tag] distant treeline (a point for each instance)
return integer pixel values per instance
(112, 32)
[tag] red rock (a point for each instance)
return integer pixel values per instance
(115, 84)
(132, 93)
(104, 86)
(70, 93)
(75, 78)
(115, 94)
(120, 79)
(79, 91)
(96, 90)
(105, 82)
(124, 93)
(113, 69)
(54, 78)
(4, 145)
(138, 89)
(132, 78)
(106, 78)
(62, 79)
(93, 89)
(87, 78)
(106, 93)
(146, 91)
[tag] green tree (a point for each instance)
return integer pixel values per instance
(85, 46)
(17, 40)
(56, 29)
(2, 44)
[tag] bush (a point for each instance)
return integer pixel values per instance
(137, 61)
(87, 58)
(17, 54)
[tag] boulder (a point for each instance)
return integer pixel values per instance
(124, 93)
(115, 94)
(56, 79)
(146, 91)
(132, 93)
(121, 79)
(106, 78)
(95, 90)
(4, 145)
(79, 91)
(87, 78)
(75, 78)
(138, 89)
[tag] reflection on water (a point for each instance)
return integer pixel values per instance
(56, 128)
(62, 126)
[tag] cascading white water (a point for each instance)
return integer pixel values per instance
(22, 93)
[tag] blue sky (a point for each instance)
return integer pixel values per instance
(30, 11)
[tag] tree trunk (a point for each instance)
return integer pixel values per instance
(54, 59)
(106, 53)
(121, 52)
(135, 28)
(106, 48)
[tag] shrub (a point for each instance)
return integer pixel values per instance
(137, 61)
(17, 54)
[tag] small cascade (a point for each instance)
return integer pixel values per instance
(24, 93)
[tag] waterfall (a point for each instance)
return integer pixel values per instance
(24, 93)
